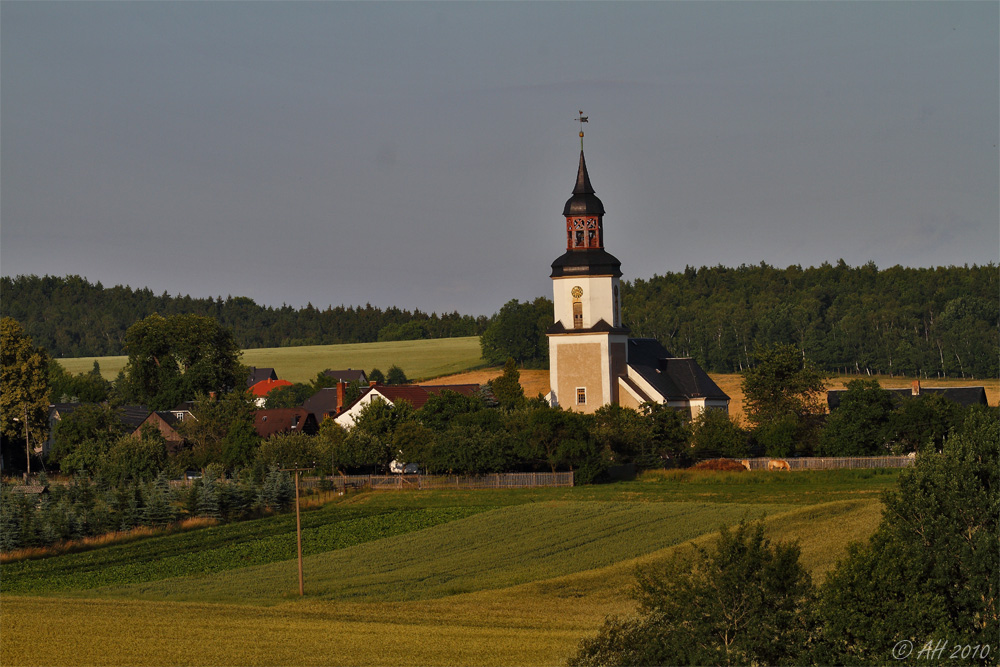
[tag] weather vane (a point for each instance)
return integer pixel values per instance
(582, 119)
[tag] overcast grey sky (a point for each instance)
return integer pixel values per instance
(419, 154)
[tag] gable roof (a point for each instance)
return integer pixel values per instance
(283, 420)
(348, 375)
(962, 395)
(324, 402)
(257, 374)
(673, 377)
(264, 387)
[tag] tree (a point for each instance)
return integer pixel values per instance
(370, 440)
(518, 332)
(859, 425)
(376, 376)
(83, 437)
(670, 433)
(287, 450)
(331, 446)
(443, 407)
(507, 387)
(740, 601)
(395, 375)
(172, 359)
(132, 459)
(781, 383)
(288, 396)
(24, 387)
(931, 570)
(222, 430)
(922, 420)
(626, 434)
(714, 434)
(784, 387)
(556, 437)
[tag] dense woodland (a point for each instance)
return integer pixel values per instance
(932, 322)
(70, 317)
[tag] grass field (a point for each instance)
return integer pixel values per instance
(515, 577)
(419, 359)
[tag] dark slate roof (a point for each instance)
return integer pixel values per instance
(322, 403)
(962, 395)
(257, 374)
(168, 417)
(601, 327)
(130, 415)
(583, 201)
(63, 409)
(586, 262)
(347, 376)
(133, 415)
(283, 420)
(673, 377)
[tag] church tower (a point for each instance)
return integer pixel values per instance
(587, 343)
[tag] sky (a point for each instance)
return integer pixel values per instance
(419, 154)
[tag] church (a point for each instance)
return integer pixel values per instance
(592, 360)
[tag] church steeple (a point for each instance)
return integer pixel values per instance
(584, 214)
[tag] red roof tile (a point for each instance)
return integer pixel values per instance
(264, 387)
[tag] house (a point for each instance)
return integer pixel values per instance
(258, 374)
(347, 376)
(166, 422)
(966, 396)
(326, 402)
(261, 389)
(284, 420)
(592, 360)
(415, 394)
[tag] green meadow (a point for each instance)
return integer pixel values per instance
(409, 577)
(419, 359)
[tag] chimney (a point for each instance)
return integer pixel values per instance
(915, 389)
(372, 383)
(341, 393)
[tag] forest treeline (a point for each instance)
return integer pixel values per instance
(71, 317)
(929, 322)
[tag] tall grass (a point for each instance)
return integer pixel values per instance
(107, 539)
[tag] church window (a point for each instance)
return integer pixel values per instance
(581, 395)
(578, 239)
(577, 314)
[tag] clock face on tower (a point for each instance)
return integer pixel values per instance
(577, 292)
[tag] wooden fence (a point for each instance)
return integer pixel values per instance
(510, 480)
(829, 463)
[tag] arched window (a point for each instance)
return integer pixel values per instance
(577, 314)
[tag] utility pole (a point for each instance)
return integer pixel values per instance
(27, 446)
(298, 523)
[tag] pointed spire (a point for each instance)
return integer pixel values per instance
(583, 186)
(583, 201)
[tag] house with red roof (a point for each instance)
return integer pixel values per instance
(261, 389)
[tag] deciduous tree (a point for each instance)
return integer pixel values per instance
(24, 387)
(173, 359)
(741, 601)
